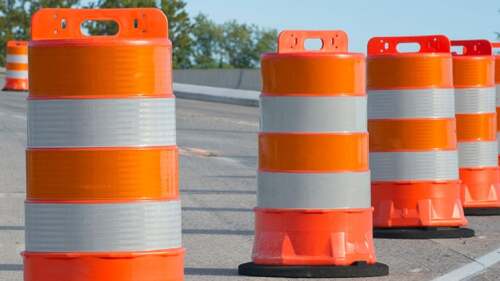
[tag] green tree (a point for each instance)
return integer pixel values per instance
(179, 25)
(207, 43)
(238, 44)
(243, 44)
(15, 18)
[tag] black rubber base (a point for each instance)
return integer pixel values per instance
(359, 269)
(482, 211)
(423, 233)
(8, 90)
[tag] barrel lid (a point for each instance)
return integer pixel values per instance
(476, 47)
(292, 43)
(65, 25)
(428, 44)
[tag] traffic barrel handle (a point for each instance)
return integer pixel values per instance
(478, 47)
(55, 23)
(428, 44)
(293, 41)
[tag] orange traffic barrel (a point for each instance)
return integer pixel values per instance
(16, 78)
(497, 82)
(475, 94)
(413, 144)
(313, 216)
(102, 161)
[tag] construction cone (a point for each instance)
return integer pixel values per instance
(313, 215)
(102, 162)
(16, 78)
(413, 147)
(474, 80)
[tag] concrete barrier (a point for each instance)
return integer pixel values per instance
(243, 79)
(213, 94)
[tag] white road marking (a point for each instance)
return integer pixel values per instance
(478, 265)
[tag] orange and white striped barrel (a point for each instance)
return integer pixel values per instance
(496, 45)
(16, 78)
(413, 148)
(474, 80)
(313, 201)
(102, 161)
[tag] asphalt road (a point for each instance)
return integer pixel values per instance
(218, 164)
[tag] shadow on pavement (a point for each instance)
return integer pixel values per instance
(11, 267)
(11, 227)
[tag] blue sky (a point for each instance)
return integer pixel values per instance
(362, 19)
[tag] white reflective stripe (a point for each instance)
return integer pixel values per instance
(435, 165)
(17, 74)
(498, 95)
(101, 122)
(17, 59)
(478, 154)
(314, 191)
(313, 114)
(437, 103)
(475, 100)
(138, 226)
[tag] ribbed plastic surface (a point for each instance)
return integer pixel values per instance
(475, 100)
(81, 123)
(478, 154)
(429, 103)
(314, 191)
(403, 166)
(138, 226)
(320, 114)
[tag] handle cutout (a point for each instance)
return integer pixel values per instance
(313, 44)
(457, 50)
(99, 28)
(295, 41)
(471, 48)
(408, 45)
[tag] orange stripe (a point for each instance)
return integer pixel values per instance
(108, 71)
(317, 74)
(476, 127)
(498, 119)
(473, 71)
(17, 50)
(17, 66)
(313, 152)
(408, 71)
(84, 174)
(120, 266)
(497, 69)
(412, 134)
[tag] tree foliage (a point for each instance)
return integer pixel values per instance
(198, 42)
(230, 44)
(15, 18)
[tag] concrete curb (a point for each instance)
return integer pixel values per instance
(213, 94)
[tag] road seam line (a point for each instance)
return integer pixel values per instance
(478, 265)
